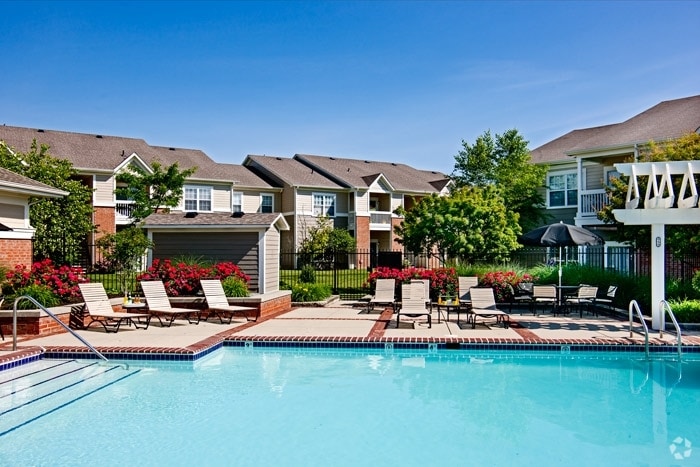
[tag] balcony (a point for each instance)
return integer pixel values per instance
(123, 211)
(592, 201)
(379, 220)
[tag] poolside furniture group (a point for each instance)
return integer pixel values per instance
(97, 307)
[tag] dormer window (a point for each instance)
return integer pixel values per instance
(197, 198)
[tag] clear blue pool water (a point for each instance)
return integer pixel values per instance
(283, 407)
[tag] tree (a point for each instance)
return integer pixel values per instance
(470, 224)
(504, 162)
(150, 191)
(323, 242)
(62, 224)
(681, 239)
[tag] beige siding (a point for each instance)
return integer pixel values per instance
(104, 191)
(271, 260)
(221, 198)
(304, 202)
(362, 202)
(240, 248)
(341, 203)
(287, 197)
(396, 201)
(594, 177)
(12, 215)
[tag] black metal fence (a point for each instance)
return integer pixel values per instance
(347, 273)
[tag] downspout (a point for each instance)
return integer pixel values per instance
(579, 195)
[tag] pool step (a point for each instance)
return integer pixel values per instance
(29, 392)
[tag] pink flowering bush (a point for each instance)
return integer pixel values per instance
(443, 281)
(62, 281)
(183, 279)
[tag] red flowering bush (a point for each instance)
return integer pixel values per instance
(62, 280)
(443, 281)
(499, 280)
(183, 279)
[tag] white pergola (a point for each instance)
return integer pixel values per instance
(658, 211)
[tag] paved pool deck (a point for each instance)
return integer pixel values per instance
(347, 321)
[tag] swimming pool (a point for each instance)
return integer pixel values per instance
(242, 406)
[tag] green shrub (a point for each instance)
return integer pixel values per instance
(305, 292)
(307, 274)
(41, 293)
(686, 311)
(696, 281)
(235, 287)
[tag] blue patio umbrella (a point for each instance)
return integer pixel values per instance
(560, 234)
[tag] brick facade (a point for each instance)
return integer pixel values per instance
(362, 233)
(395, 246)
(15, 251)
(104, 219)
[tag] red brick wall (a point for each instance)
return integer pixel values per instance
(105, 221)
(362, 234)
(14, 251)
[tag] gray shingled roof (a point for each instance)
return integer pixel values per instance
(290, 171)
(213, 219)
(358, 173)
(90, 153)
(14, 181)
(666, 120)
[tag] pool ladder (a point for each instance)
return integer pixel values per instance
(664, 308)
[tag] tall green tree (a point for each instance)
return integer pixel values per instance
(680, 239)
(62, 224)
(470, 224)
(504, 162)
(160, 188)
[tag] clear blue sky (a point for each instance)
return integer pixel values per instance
(391, 81)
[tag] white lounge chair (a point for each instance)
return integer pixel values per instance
(413, 303)
(100, 310)
(484, 306)
(217, 302)
(159, 304)
(465, 285)
(384, 294)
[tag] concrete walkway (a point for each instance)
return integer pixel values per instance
(346, 321)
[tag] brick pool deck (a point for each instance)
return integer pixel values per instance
(348, 323)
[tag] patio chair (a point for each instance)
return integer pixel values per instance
(484, 306)
(159, 305)
(586, 296)
(100, 310)
(426, 290)
(217, 302)
(522, 295)
(465, 283)
(384, 294)
(609, 298)
(544, 295)
(413, 303)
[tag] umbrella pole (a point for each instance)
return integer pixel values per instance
(560, 267)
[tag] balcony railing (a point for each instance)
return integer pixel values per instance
(380, 220)
(124, 209)
(592, 201)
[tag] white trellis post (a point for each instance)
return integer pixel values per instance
(658, 211)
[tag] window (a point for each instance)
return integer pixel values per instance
(563, 190)
(236, 202)
(266, 203)
(324, 205)
(197, 198)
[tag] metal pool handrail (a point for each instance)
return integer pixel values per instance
(635, 307)
(666, 308)
(14, 326)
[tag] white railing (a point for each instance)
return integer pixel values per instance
(592, 201)
(124, 209)
(382, 218)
